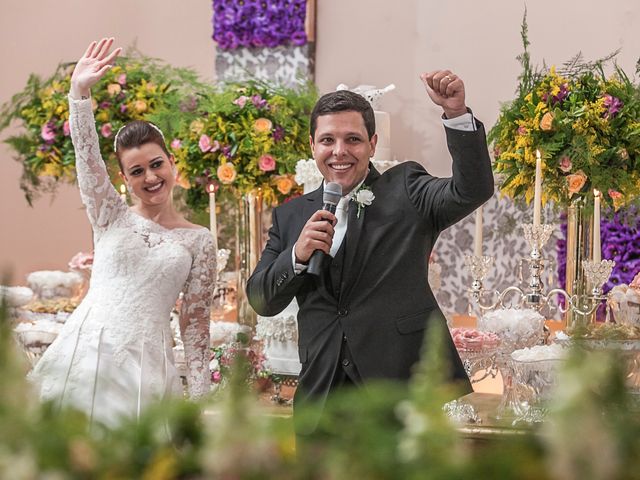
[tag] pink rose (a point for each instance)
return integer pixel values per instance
(522, 130)
(106, 130)
(241, 101)
(216, 377)
(204, 143)
(565, 164)
(47, 132)
(267, 163)
(66, 130)
(122, 79)
(176, 144)
(215, 146)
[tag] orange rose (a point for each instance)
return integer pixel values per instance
(284, 184)
(114, 89)
(140, 106)
(575, 182)
(262, 125)
(546, 123)
(182, 180)
(226, 173)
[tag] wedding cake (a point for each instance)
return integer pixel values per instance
(280, 337)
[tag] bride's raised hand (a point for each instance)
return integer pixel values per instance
(92, 66)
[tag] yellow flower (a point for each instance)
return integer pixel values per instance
(284, 184)
(196, 127)
(262, 125)
(575, 182)
(546, 124)
(113, 89)
(226, 173)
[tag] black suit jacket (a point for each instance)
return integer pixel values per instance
(383, 302)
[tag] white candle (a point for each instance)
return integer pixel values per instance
(123, 193)
(477, 246)
(212, 210)
(537, 192)
(597, 249)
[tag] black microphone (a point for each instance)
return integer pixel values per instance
(330, 198)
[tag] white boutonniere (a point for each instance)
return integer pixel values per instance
(363, 198)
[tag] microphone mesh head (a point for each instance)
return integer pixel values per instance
(332, 193)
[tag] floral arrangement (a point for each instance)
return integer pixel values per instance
(224, 356)
(133, 89)
(585, 125)
(243, 137)
(258, 23)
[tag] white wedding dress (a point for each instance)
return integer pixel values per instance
(114, 355)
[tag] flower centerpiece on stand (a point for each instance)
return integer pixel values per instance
(238, 145)
(585, 125)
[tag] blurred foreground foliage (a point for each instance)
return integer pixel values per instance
(385, 431)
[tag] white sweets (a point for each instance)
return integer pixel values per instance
(522, 327)
(54, 283)
(537, 353)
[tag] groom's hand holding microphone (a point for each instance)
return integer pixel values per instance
(316, 236)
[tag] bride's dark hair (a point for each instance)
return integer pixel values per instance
(135, 134)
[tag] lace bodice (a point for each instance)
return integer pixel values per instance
(140, 267)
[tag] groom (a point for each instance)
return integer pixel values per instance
(365, 315)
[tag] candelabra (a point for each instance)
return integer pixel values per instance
(535, 297)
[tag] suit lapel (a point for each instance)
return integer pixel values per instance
(354, 230)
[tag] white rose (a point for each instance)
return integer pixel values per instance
(214, 365)
(365, 197)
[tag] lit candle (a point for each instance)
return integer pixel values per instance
(597, 249)
(123, 193)
(537, 192)
(477, 246)
(212, 210)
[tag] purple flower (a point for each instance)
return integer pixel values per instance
(258, 23)
(278, 133)
(105, 105)
(613, 105)
(123, 108)
(258, 101)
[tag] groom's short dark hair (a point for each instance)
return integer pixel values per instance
(343, 101)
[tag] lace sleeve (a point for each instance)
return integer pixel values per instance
(195, 316)
(98, 194)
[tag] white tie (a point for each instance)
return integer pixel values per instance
(341, 226)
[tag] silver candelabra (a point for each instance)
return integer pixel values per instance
(534, 296)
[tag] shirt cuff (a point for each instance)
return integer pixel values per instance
(298, 268)
(464, 122)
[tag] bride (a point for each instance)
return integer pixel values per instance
(114, 355)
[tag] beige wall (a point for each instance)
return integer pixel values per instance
(390, 42)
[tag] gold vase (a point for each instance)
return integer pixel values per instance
(249, 246)
(579, 248)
